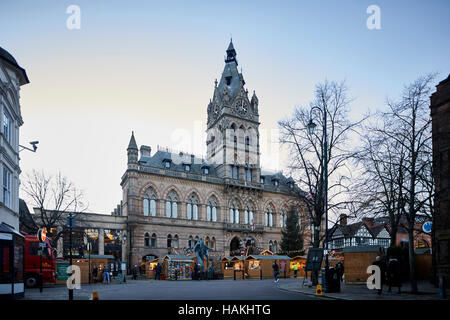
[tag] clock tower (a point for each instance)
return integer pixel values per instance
(233, 125)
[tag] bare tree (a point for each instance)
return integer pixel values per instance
(54, 196)
(379, 191)
(306, 152)
(408, 126)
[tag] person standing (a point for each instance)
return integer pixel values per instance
(340, 270)
(135, 270)
(295, 268)
(276, 271)
(394, 277)
(380, 263)
(95, 274)
(106, 278)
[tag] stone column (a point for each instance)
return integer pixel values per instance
(60, 244)
(124, 246)
(101, 241)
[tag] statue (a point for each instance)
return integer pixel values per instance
(201, 252)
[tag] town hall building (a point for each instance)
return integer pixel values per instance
(172, 199)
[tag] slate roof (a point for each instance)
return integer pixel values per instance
(350, 230)
(178, 160)
(6, 56)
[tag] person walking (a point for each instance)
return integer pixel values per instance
(394, 277)
(106, 278)
(295, 268)
(276, 271)
(95, 274)
(135, 271)
(380, 263)
(340, 270)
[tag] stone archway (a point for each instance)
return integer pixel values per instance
(235, 246)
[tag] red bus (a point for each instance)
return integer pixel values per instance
(32, 261)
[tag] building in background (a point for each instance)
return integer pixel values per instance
(440, 114)
(172, 199)
(12, 77)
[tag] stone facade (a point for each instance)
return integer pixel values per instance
(225, 199)
(12, 77)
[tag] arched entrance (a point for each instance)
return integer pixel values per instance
(235, 246)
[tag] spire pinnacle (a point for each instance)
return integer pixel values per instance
(231, 53)
(132, 144)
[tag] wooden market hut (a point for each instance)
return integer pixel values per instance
(99, 261)
(183, 264)
(150, 267)
(229, 264)
(258, 266)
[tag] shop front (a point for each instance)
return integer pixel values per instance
(230, 264)
(11, 263)
(178, 267)
(261, 265)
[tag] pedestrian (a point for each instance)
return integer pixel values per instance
(295, 268)
(394, 276)
(340, 270)
(158, 271)
(275, 271)
(106, 278)
(155, 272)
(211, 271)
(196, 272)
(135, 270)
(380, 263)
(95, 273)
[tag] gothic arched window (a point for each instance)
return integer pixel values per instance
(175, 242)
(234, 212)
(192, 208)
(270, 246)
(153, 241)
(283, 218)
(169, 241)
(147, 240)
(269, 216)
(213, 243)
(190, 242)
(150, 203)
(211, 210)
(275, 246)
(248, 214)
(171, 205)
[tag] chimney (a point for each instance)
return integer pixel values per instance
(146, 151)
(369, 221)
(343, 219)
(192, 158)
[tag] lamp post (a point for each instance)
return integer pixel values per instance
(311, 126)
(70, 248)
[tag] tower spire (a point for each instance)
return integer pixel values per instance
(231, 53)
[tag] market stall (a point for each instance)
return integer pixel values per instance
(229, 264)
(300, 261)
(261, 265)
(178, 267)
(150, 267)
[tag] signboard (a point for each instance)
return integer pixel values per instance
(61, 271)
(124, 266)
(42, 234)
(314, 259)
(69, 221)
(427, 226)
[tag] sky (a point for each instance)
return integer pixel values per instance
(150, 66)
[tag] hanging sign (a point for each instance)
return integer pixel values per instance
(427, 226)
(42, 234)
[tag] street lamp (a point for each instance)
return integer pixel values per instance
(311, 126)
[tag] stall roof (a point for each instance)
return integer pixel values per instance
(269, 257)
(237, 257)
(100, 256)
(177, 257)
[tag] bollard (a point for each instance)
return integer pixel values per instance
(95, 295)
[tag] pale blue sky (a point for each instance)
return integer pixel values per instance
(149, 66)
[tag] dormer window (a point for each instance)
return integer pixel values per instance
(205, 170)
(262, 180)
(167, 164)
(291, 185)
(187, 167)
(276, 183)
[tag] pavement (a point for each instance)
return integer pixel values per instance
(176, 290)
(360, 291)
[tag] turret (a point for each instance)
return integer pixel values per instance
(132, 152)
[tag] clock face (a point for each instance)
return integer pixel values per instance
(241, 106)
